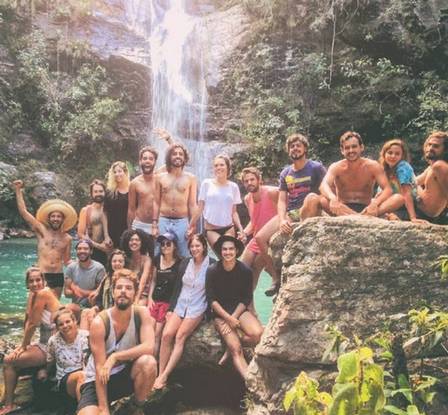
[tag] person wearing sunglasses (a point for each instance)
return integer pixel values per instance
(165, 274)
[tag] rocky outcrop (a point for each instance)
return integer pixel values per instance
(350, 272)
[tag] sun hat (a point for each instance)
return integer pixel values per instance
(57, 205)
(228, 238)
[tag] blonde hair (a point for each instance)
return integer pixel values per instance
(111, 182)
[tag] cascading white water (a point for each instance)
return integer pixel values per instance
(179, 49)
(179, 93)
(178, 44)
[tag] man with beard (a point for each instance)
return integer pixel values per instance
(261, 202)
(176, 197)
(122, 346)
(432, 192)
(53, 219)
(93, 223)
(142, 193)
(348, 186)
(298, 180)
(83, 276)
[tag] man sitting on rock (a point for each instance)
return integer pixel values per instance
(261, 202)
(53, 219)
(297, 181)
(432, 197)
(93, 223)
(122, 345)
(83, 276)
(347, 188)
(229, 294)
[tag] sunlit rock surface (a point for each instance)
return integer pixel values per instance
(350, 272)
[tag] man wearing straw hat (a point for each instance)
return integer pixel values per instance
(53, 219)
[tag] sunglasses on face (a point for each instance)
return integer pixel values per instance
(165, 244)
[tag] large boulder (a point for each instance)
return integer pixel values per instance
(350, 272)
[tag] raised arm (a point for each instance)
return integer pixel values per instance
(164, 135)
(27, 216)
(132, 203)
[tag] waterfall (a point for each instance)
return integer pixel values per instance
(179, 50)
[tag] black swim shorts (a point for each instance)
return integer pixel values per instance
(441, 219)
(120, 385)
(357, 207)
(54, 279)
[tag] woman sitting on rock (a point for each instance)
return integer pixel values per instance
(139, 250)
(229, 294)
(66, 348)
(394, 157)
(40, 306)
(166, 273)
(188, 305)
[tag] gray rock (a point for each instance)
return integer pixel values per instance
(351, 272)
(47, 185)
(23, 146)
(8, 170)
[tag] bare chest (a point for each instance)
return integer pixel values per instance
(174, 186)
(355, 180)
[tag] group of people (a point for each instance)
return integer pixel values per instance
(144, 279)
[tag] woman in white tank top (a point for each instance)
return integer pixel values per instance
(218, 199)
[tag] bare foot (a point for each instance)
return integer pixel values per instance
(392, 216)
(224, 358)
(159, 383)
(8, 408)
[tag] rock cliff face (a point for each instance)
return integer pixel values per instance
(349, 272)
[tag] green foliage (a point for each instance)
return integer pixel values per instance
(66, 111)
(358, 389)
(442, 262)
(333, 66)
(362, 386)
(304, 397)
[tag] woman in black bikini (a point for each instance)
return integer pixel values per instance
(218, 198)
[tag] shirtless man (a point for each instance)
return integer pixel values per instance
(261, 202)
(142, 191)
(297, 180)
(348, 186)
(176, 197)
(93, 223)
(433, 182)
(53, 219)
